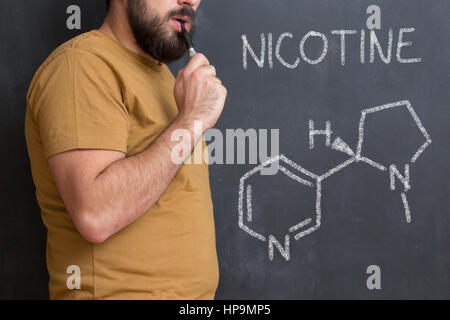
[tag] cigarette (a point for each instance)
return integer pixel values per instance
(188, 39)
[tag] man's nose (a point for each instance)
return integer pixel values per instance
(191, 3)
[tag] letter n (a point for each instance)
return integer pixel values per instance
(285, 252)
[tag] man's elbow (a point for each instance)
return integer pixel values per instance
(91, 228)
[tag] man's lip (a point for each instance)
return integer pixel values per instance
(177, 23)
(184, 18)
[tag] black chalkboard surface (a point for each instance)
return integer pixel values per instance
(355, 93)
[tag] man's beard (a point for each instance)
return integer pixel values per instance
(151, 32)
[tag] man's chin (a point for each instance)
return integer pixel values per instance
(168, 57)
(168, 49)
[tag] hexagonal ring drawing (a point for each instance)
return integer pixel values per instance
(300, 229)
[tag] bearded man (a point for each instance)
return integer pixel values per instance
(124, 220)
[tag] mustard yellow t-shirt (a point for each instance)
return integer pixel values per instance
(94, 93)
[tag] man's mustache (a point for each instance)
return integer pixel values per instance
(184, 11)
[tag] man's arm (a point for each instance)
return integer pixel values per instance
(104, 192)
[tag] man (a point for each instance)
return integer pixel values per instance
(125, 221)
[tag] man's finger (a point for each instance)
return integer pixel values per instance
(180, 73)
(215, 79)
(194, 63)
(206, 70)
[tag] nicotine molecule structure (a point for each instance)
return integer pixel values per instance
(308, 179)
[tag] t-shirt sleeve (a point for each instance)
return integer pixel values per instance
(77, 103)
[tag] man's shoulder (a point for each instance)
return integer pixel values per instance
(84, 50)
(84, 45)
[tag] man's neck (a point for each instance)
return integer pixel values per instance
(116, 26)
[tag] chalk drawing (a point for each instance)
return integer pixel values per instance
(406, 206)
(324, 51)
(306, 178)
(300, 225)
(249, 203)
(402, 44)
(374, 43)
(343, 33)
(269, 47)
(277, 52)
(313, 132)
(340, 145)
(285, 252)
(405, 104)
(394, 172)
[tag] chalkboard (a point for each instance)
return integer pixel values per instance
(356, 95)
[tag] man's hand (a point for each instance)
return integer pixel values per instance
(199, 94)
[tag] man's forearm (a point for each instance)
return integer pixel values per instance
(129, 187)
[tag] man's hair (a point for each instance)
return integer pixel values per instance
(108, 2)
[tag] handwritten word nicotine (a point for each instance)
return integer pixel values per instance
(371, 49)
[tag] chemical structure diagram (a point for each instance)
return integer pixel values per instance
(311, 180)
